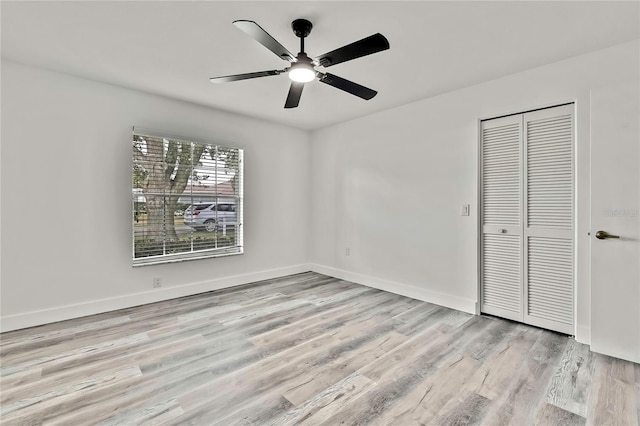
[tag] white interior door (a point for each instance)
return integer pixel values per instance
(501, 187)
(615, 209)
(548, 219)
(527, 213)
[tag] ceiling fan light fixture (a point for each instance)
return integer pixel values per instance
(301, 73)
(302, 69)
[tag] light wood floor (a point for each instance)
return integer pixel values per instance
(307, 349)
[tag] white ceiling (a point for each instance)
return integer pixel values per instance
(173, 47)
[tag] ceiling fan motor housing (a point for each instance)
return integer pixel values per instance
(302, 58)
(301, 27)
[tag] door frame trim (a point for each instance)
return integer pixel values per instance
(479, 189)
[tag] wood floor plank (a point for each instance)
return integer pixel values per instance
(520, 401)
(156, 355)
(500, 368)
(454, 372)
(306, 349)
(343, 361)
(394, 362)
(468, 408)
(183, 377)
(614, 397)
(427, 399)
(331, 319)
(151, 389)
(73, 354)
(361, 345)
(19, 378)
(425, 315)
(29, 409)
(570, 384)
(326, 403)
(29, 344)
(393, 386)
(552, 415)
(261, 377)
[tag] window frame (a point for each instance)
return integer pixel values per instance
(218, 198)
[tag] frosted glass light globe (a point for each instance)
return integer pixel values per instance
(301, 73)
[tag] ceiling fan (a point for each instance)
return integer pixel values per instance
(303, 68)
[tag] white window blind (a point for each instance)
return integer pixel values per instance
(186, 197)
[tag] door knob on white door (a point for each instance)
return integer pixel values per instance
(603, 235)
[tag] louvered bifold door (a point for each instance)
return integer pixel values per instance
(548, 218)
(501, 198)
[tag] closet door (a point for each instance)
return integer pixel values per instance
(501, 253)
(527, 216)
(548, 218)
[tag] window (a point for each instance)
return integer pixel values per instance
(187, 199)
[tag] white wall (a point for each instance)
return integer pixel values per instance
(389, 186)
(66, 204)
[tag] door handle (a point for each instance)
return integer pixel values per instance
(603, 235)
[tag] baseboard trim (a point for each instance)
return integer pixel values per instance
(61, 313)
(442, 299)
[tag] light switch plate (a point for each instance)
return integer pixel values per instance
(465, 210)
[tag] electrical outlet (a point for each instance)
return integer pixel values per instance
(157, 282)
(347, 251)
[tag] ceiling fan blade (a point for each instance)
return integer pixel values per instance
(293, 98)
(236, 77)
(366, 46)
(256, 32)
(348, 86)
